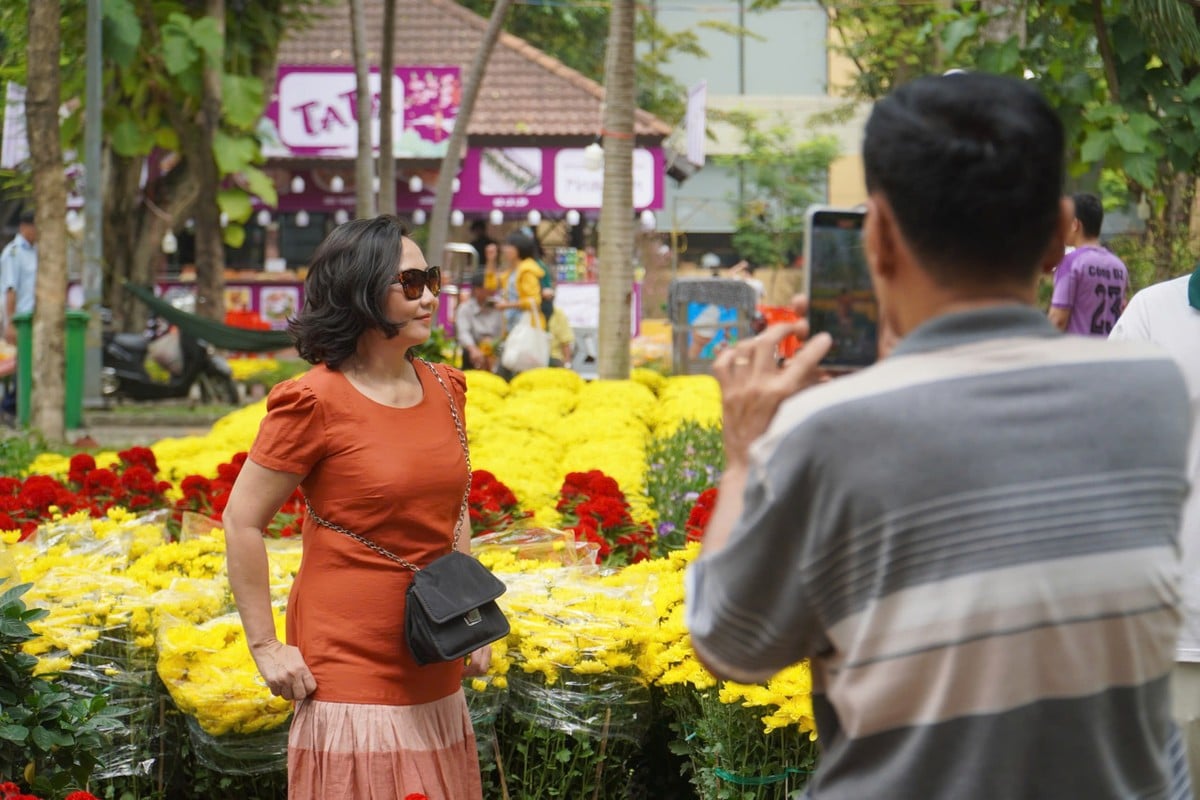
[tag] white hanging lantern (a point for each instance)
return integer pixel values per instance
(297, 185)
(419, 217)
(302, 219)
(341, 216)
(593, 156)
(74, 222)
(456, 218)
(496, 217)
(337, 184)
(572, 218)
(170, 245)
(263, 218)
(415, 184)
(648, 220)
(455, 185)
(224, 220)
(534, 218)
(375, 184)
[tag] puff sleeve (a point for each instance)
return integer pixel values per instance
(292, 436)
(456, 381)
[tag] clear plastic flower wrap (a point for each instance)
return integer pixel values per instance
(601, 707)
(239, 754)
(534, 545)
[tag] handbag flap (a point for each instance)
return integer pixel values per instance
(453, 585)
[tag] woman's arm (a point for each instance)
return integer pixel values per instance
(256, 496)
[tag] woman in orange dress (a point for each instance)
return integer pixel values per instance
(368, 436)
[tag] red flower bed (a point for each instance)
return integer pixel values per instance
(697, 521)
(208, 496)
(131, 484)
(492, 505)
(595, 508)
(10, 791)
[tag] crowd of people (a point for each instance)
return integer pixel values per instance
(513, 285)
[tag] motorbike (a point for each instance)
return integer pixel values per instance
(192, 366)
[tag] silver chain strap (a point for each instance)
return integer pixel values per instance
(462, 511)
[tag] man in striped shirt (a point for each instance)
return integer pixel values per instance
(974, 541)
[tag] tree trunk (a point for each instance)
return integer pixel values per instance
(1006, 21)
(364, 162)
(50, 194)
(616, 214)
(210, 245)
(387, 136)
(439, 220)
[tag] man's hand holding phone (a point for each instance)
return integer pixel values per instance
(754, 381)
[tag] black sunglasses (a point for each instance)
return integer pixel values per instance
(414, 281)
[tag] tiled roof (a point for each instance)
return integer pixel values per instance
(524, 93)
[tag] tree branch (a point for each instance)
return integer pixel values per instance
(1106, 51)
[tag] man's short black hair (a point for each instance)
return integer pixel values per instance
(1090, 213)
(27, 218)
(479, 226)
(972, 166)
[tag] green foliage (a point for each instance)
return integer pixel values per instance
(783, 177)
(730, 756)
(681, 466)
(435, 348)
(49, 735)
(18, 450)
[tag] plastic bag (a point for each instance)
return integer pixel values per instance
(527, 346)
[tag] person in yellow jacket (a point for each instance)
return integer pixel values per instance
(521, 281)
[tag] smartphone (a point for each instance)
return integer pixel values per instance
(841, 301)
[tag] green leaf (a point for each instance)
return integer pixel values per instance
(128, 138)
(207, 37)
(1142, 168)
(1128, 139)
(122, 32)
(242, 100)
(42, 738)
(958, 31)
(235, 203)
(234, 154)
(178, 49)
(14, 733)
(234, 235)
(1095, 146)
(167, 139)
(261, 185)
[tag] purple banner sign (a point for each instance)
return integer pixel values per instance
(514, 180)
(314, 111)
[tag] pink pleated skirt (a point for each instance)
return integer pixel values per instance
(353, 751)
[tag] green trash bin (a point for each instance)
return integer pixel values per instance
(76, 358)
(76, 337)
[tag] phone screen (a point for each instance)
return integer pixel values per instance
(841, 300)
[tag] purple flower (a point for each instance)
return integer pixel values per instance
(666, 528)
(692, 497)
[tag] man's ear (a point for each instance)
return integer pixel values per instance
(879, 237)
(1058, 240)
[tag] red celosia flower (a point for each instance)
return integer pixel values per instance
(80, 796)
(139, 479)
(697, 521)
(139, 457)
(8, 787)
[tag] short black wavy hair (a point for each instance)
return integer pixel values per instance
(346, 289)
(973, 167)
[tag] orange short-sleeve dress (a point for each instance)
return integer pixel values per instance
(378, 726)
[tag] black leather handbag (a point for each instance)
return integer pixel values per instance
(450, 608)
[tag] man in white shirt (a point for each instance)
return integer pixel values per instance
(18, 274)
(1168, 314)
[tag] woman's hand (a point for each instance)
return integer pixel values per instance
(284, 670)
(478, 662)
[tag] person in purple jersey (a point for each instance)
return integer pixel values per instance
(1090, 282)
